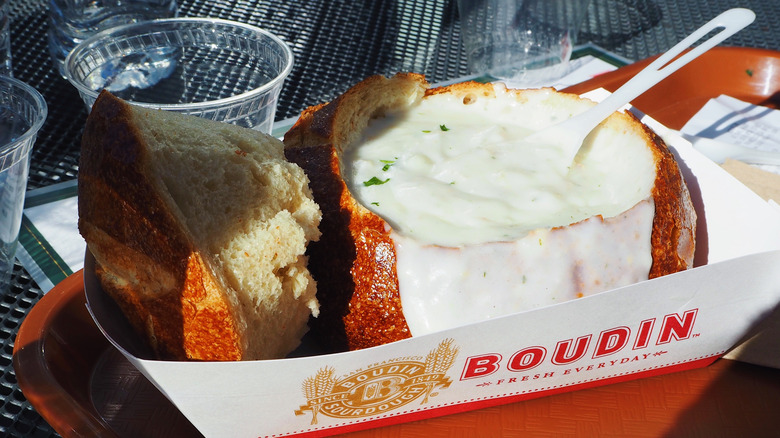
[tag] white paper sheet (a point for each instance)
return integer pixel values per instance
(731, 120)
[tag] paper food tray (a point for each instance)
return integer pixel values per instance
(680, 321)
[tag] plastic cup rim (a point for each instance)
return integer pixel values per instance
(40, 116)
(192, 106)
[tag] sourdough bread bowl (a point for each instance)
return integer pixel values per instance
(435, 214)
(198, 230)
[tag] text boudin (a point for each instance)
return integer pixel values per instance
(673, 327)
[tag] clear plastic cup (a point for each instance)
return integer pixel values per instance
(5, 38)
(526, 42)
(73, 21)
(217, 69)
(22, 113)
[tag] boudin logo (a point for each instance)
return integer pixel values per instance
(602, 348)
(378, 388)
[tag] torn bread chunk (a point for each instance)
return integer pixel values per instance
(199, 231)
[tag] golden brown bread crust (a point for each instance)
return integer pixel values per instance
(172, 298)
(354, 262)
(674, 224)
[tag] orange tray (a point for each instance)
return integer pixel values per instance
(750, 75)
(83, 387)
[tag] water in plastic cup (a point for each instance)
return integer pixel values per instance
(22, 113)
(221, 70)
(73, 21)
(5, 38)
(525, 42)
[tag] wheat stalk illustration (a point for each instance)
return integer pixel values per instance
(438, 361)
(319, 385)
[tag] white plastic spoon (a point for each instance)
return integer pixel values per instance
(572, 132)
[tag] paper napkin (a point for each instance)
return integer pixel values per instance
(731, 120)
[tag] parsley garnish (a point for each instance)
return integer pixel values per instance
(374, 181)
(749, 72)
(387, 164)
(444, 127)
(427, 131)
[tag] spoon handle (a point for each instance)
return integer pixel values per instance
(731, 22)
(572, 132)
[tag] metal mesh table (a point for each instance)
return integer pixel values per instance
(336, 43)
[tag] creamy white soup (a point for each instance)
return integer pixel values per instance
(474, 210)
